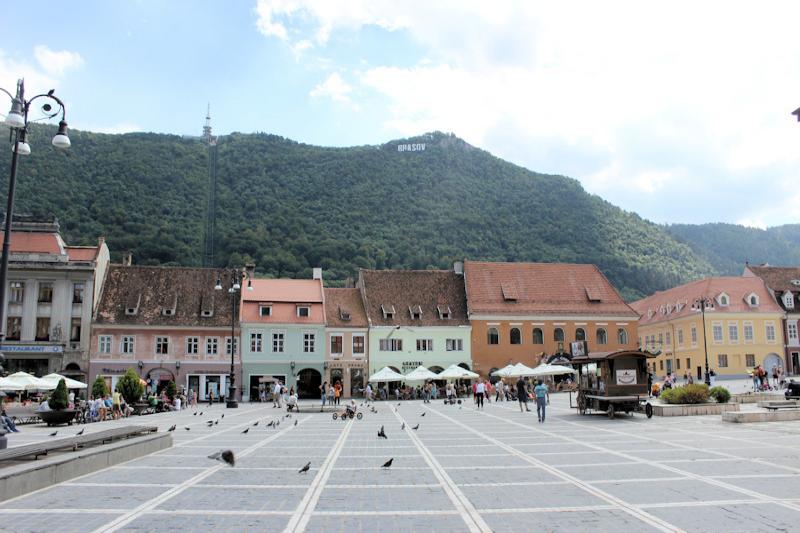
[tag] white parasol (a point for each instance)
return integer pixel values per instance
(420, 374)
(503, 372)
(54, 378)
(456, 372)
(520, 370)
(25, 381)
(386, 374)
(552, 370)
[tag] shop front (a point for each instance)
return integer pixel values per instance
(304, 378)
(36, 359)
(351, 375)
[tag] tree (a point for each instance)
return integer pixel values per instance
(130, 386)
(171, 390)
(99, 387)
(58, 400)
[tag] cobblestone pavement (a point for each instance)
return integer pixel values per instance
(463, 470)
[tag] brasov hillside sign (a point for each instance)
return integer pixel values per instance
(417, 147)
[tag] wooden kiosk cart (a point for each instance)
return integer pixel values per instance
(613, 382)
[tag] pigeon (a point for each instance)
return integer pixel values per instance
(246, 430)
(187, 428)
(423, 414)
(254, 425)
(278, 423)
(388, 463)
(295, 422)
(201, 413)
(225, 456)
(403, 426)
(194, 414)
(382, 434)
(271, 423)
(305, 468)
(50, 92)
(216, 422)
(288, 415)
(223, 415)
(172, 427)
(78, 434)
(415, 427)
(53, 434)
(398, 404)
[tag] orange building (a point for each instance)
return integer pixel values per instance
(531, 312)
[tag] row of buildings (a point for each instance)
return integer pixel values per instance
(71, 311)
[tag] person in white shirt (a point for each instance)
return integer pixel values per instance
(480, 392)
(368, 392)
(276, 394)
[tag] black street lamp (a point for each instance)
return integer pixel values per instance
(234, 278)
(17, 120)
(702, 304)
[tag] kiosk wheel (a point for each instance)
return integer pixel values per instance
(359, 415)
(610, 412)
(335, 416)
(648, 410)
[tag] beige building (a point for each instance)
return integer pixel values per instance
(346, 344)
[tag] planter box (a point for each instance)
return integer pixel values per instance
(694, 409)
(755, 397)
(55, 418)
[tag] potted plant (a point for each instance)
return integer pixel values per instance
(131, 388)
(58, 413)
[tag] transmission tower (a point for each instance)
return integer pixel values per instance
(211, 207)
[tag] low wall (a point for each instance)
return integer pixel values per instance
(694, 409)
(744, 417)
(755, 397)
(28, 476)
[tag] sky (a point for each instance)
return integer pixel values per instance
(678, 111)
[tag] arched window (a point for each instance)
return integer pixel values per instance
(602, 336)
(558, 335)
(494, 336)
(515, 336)
(622, 336)
(538, 336)
(580, 334)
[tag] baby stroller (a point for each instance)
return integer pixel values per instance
(350, 411)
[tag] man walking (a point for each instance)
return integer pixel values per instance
(480, 391)
(522, 395)
(542, 398)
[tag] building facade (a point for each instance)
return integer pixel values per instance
(416, 317)
(51, 293)
(783, 284)
(169, 324)
(283, 335)
(739, 327)
(532, 312)
(346, 346)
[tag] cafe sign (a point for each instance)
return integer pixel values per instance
(626, 377)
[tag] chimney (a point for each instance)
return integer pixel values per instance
(316, 273)
(127, 259)
(458, 268)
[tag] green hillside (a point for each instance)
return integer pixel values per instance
(290, 206)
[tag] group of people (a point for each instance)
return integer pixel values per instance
(279, 395)
(331, 394)
(761, 378)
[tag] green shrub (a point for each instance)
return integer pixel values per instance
(687, 394)
(669, 396)
(171, 390)
(58, 400)
(721, 394)
(130, 387)
(99, 387)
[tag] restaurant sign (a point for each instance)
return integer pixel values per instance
(17, 348)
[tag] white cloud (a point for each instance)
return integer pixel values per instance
(334, 87)
(122, 127)
(752, 223)
(56, 63)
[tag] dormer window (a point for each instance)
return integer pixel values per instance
(207, 313)
(444, 312)
(415, 312)
(509, 291)
(168, 311)
(678, 306)
(388, 312)
(265, 310)
(788, 300)
(303, 311)
(752, 299)
(130, 311)
(132, 305)
(344, 315)
(723, 300)
(795, 282)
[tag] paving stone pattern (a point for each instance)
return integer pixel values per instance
(464, 470)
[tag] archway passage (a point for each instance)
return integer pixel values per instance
(159, 378)
(771, 361)
(308, 383)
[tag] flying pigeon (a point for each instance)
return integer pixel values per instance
(78, 434)
(305, 468)
(403, 426)
(423, 414)
(201, 413)
(53, 434)
(271, 423)
(415, 427)
(388, 463)
(187, 428)
(246, 430)
(254, 425)
(225, 456)
(194, 414)
(295, 422)
(382, 434)
(223, 415)
(172, 427)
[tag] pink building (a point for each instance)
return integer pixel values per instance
(168, 323)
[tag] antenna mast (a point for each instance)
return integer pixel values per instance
(211, 208)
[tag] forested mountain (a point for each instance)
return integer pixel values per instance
(289, 206)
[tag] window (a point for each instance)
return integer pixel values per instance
(162, 345)
(733, 332)
(77, 293)
(770, 330)
(602, 336)
(748, 333)
(257, 342)
(622, 336)
(13, 328)
(661, 364)
(688, 363)
(424, 345)
(358, 344)
(680, 337)
(580, 334)
(660, 340)
(126, 345)
(45, 292)
(716, 329)
(75, 330)
(192, 345)
(415, 312)
(104, 344)
(723, 300)
(668, 338)
(750, 360)
(303, 311)
(558, 335)
(388, 312)
(43, 328)
(514, 336)
(454, 345)
(494, 336)
(722, 359)
(788, 300)
(277, 342)
(16, 293)
(694, 335)
(265, 310)
(336, 344)
(212, 345)
(791, 328)
(229, 344)
(678, 364)
(309, 342)
(538, 336)
(753, 300)
(391, 345)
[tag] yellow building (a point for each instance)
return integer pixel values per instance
(734, 318)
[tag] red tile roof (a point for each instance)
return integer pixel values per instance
(341, 304)
(541, 289)
(34, 242)
(779, 279)
(80, 253)
(678, 301)
(284, 290)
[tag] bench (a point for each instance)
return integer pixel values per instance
(38, 449)
(23, 415)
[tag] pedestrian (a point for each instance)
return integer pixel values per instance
(115, 405)
(542, 399)
(323, 390)
(691, 379)
(498, 391)
(276, 394)
(522, 395)
(775, 376)
(480, 390)
(756, 379)
(368, 393)
(210, 397)
(337, 392)
(331, 395)
(685, 377)
(649, 383)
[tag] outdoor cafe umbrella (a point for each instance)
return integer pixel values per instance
(70, 383)
(420, 374)
(8, 385)
(520, 370)
(503, 372)
(551, 370)
(456, 372)
(386, 374)
(25, 381)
